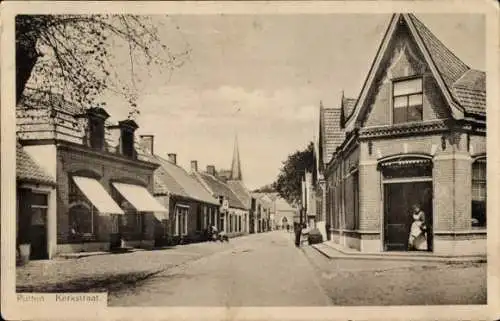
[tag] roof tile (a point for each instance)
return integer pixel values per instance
(221, 188)
(331, 132)
(172, 178)
(467, 86)
(28, 170)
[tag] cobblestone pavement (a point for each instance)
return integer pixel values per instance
(256, 270)
(110, 271)
(262, 270)
(384, 282)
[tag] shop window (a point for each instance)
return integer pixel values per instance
(407, 100)
(478, 217)
(81, 220)
(131, 222)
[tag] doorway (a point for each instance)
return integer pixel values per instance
(38, 227)
(398, 201)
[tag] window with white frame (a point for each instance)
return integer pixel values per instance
(407, 100)
(206, 218)
(478, 217)
(181, 214)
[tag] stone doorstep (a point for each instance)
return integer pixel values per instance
(85, 254)
(335, 251)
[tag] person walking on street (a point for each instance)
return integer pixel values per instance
(298, 231)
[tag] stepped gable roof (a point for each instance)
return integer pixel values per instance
(218, 187)
(28, 170)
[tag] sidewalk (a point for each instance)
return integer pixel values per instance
(335, 251)
(99, 272)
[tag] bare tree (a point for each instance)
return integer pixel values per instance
(73, 55)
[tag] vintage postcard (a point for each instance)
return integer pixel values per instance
(250, 160)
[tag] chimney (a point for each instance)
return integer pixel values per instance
(147, 142)
(194, 166)
(211, 170)
(172, 158)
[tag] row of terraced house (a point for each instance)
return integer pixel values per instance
(86, 184)
(416, 134)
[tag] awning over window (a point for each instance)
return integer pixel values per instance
(139, 197)
(406, 162)
(97, 195)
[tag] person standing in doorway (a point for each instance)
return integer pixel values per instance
(418, 230)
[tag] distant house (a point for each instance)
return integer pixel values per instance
(416, 135)
(104, 186)
(234, 215)
(191, 209)
(284, 213)
(265, 212)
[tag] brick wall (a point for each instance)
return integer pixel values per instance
(106, 170)
(369, 197)
(404, 60)
(443, 205)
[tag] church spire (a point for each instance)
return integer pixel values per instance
(236, 166)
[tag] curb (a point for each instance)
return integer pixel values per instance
(361, 256)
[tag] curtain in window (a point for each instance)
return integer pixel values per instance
(80, 220)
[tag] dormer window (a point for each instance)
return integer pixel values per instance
(407, 100)
(96, 117)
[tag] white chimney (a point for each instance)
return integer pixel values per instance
(147, 142)
(194, 166)
(211, 170)
(172, 158)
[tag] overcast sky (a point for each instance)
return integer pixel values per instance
(262, 77)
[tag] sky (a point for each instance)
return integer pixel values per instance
(261, 77)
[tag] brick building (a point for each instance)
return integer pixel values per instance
(415, 135)
(103, 185)
(191, 209)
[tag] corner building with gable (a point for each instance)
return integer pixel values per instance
(415, 134)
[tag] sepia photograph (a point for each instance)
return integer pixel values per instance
(246, 159)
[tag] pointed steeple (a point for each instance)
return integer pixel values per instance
(342, 111)
(236, 166)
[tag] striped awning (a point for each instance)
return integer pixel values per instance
(406, 163)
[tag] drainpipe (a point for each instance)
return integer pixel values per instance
(454, 182)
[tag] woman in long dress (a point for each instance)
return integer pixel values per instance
(418, 230)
